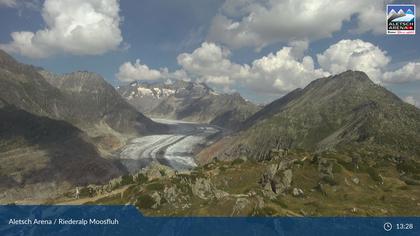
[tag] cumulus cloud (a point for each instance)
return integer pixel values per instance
(276, 73)
(290, 67)
(407, 73)
(210, 63)
(136, 71)
(283, 71)
(354, 55)
(364, 56)
(80, 27)
(411, 100)
(256, 23)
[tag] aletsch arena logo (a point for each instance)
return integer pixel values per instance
(401, 19)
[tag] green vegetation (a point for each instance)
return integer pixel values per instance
(237, 161)
(145, 201)
(127, 179)
(371, 186)
(155, 187)
(141, 178)
(374, 174)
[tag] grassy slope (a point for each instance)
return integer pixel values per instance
(370, 197)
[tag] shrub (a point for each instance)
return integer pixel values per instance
(409, 166)
(237, 161)
(141, 178)
(337, 168)
(86, 192)
(373, 173)
(155, 187)
(127, 179)
(145, 201)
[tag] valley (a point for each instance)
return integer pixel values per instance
(342, 145)
(175, 149)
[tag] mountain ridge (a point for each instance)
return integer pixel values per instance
(343, 112)
(58, 131)
(190, 101)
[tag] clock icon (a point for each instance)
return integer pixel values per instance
(387, 226)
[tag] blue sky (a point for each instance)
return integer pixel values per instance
(242, 45)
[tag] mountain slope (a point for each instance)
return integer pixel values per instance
(81, 98)
(55, 137)
(22, 86)
(188, 101)
(343, 112)
(40, 156)
(97, 101)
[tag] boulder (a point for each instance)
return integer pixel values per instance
(297, 192)
(240, 205)
(281, 181)
(170, 194)
(202, 188)
(325, 168)
(277, 177)
(157, 199)
(355, 180)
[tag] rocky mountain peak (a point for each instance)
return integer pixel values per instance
(336, 112)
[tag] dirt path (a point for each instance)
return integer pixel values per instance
(82, 201)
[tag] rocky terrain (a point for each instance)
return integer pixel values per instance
(345, 112)
(56, 131)
(188, 101)
(95, 101)
(289, 183)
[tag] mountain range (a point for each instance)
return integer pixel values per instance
(190, 101)
(313, 144)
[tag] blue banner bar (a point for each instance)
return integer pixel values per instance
(127, 220)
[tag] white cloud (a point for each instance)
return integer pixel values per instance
(364, 56)
(8, 3)
(80, 27)
(354, 55)
(410, 99)
(276, 73)
(130, 72)
(413, 101)
(21, 4)
(256, 23)
(407, 73)
(283, 72)
(210, 63)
